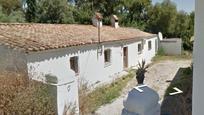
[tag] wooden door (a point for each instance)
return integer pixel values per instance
(125, 57)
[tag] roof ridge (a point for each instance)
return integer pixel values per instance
(26, 23)
(49, 36)
(15, 23)
(65, 24)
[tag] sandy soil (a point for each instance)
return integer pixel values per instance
(157, 76)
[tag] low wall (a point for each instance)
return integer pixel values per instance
(171, 46)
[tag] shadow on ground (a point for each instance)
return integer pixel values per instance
(180, 104)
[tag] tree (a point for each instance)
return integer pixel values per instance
(189, 33)
(136, 9)
(134, 12)
(54, 11)
(191, 22)
(16, 16)
(10, 5)
(3, 17)
(162, 18)
(11, 11)
(83, 11)
(30, 13)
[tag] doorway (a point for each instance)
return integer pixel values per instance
(125, 57)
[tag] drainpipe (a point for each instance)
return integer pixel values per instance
(99, 31)
(100, 49)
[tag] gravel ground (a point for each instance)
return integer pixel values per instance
(157, 76)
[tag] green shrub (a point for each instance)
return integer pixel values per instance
(161, 51)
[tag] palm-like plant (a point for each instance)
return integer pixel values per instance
(140, 73)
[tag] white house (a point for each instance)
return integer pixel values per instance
(71, 51)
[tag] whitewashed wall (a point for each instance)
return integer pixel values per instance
(198, 56)
(147, 55)
(91, 64)
(171, 46)
(56, 63)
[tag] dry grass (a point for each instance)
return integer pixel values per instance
(18, 95)
(186, 55)
(89, 102)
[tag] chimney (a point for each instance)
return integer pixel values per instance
(97, 20)
(114, 21)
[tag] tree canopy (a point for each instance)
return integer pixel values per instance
(11, 11)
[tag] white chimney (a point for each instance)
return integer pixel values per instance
(114, 21)
(97, 20)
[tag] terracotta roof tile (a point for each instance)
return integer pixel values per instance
(37, 37)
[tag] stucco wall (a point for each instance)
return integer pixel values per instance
(91, 64)
(146, 54)
(56, 63)
(198, 56)
(12, 60)
(171, 46)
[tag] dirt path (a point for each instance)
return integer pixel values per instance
(156, 78)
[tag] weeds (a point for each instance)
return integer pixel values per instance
(70, 109)
(18, 95)
(184, 56)
(90, 102)
(161, 52)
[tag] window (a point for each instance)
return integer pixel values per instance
(139, 47)
(74, 64)
(107, 56)
(149, 45)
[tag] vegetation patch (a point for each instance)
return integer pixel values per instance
(105, 94)
(186, 55)
(183, 82)
(21, 96)
(180, 104)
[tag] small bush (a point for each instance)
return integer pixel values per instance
(161, 51)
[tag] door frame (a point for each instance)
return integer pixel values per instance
(125, 57)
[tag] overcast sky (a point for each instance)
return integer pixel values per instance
(186, 5)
